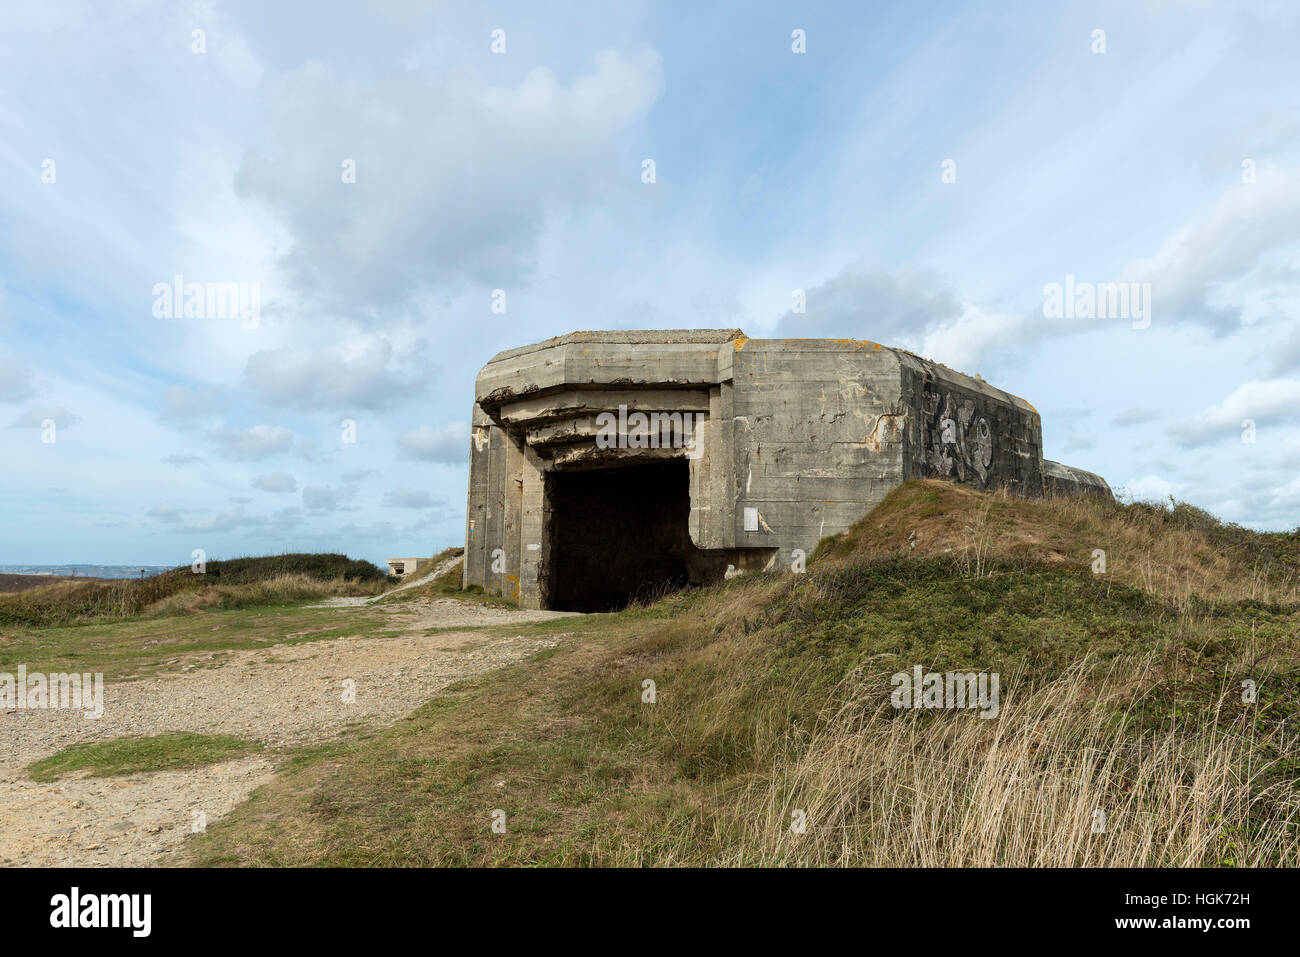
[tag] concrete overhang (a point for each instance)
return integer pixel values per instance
(508, 387)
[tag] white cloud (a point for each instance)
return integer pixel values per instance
(15, 381)
(166, 513)
(1196, 265)
(183, 402)
(252, 444)
(410, 498)
(1261, 402)
(454, 181)
(373, 532)
(320, 498)
(1149, 488)
(226, 520)
(276, 482)
(448, 444)
(1135, 415)
(1284, 351)
(965, 341)
(35, 418)
(862, 302)
(179, 459)
(910, 309)
(353, 374)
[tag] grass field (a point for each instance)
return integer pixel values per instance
(1123, 737)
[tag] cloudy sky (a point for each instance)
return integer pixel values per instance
(922, 172)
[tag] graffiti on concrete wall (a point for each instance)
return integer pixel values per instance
(958, 443)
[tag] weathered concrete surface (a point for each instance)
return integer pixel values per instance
(1061, 479)
(752, 450)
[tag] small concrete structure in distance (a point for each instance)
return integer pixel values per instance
(401, 567)
(606, 466)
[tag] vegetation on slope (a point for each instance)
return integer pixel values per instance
(1123, 737)
(447, 584)
(444, 584)
(1177, 552)
(232, 583)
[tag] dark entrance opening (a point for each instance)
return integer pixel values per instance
(617, 535)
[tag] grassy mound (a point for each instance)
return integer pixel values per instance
(1123, 737)
(266, 579)
(321, 566)
(162, 752)
(1176, 551)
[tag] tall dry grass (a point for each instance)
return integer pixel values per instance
(1175, 551)
(1181, 552)
(271, 591)
(881, 787)
(71, 602)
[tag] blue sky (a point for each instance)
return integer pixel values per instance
(128, 157)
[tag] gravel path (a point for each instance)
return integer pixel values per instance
(281, 695)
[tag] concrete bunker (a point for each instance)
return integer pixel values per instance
(611, 466)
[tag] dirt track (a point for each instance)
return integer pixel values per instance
(280, 695)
